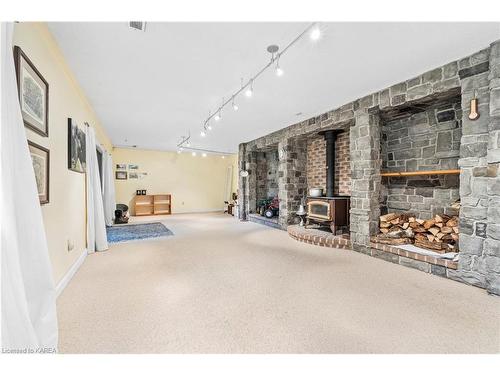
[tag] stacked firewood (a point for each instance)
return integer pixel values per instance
(439, 233)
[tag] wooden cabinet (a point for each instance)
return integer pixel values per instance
(159, 204)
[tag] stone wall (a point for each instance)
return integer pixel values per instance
(479, 262)
(267, 174)
(427, 140)
(292, 180)
(316, 163)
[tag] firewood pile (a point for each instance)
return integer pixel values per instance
(439, 234)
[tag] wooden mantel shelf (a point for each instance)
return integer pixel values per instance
(420, 173)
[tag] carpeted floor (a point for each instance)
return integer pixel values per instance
(221, 286)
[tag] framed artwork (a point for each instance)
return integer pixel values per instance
(133, 175)
(120, 175)
(122, 167)
(40, 158)
(133, 167)
(33, 94)
(76, 148)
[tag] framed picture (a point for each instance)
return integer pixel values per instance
(33, 94)
(121, 167)
(76, 148)
(133, 175)
(40, 158)
(133, 167)
(120, 175)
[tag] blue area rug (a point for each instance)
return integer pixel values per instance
(122, 233)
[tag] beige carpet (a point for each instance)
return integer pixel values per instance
(221, 286)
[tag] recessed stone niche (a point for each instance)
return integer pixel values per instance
(267, 174)
(424, 141)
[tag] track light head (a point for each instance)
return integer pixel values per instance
(203, 133)
(209, 127)
(188, 144)
(249, 92)
(217, 116)
(279, 71)
(315, 33)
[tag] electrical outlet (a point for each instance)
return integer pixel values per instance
(70, 245)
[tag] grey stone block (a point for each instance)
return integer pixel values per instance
(417, 264)
(438, 270)
(468, 277)
(492, 247)
(471, 245)
(394, 258)
(478, 213)
(493, 231)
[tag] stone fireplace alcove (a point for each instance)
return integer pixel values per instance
(420, 124)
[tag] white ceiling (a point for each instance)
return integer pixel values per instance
(148, 89)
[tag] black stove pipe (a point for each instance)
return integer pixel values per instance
(331, 138)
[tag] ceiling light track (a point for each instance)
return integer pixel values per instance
(248, 87)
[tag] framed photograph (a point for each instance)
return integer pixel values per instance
(76, 148)
(120, 175)
(33, 94)
(133, 175)
(121, 167)
(133, 167)
(40, 158)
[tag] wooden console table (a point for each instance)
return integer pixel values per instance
(158, 204)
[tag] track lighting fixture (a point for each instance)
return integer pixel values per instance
(314, 33)
(188, 144)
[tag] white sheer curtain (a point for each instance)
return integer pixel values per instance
(96, 226)
(108, 189)
(29, 319)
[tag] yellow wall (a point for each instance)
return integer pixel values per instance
(196, 183)
(64, 215)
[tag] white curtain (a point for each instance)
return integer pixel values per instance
(29, 320)
(96, 226)
(108, 189)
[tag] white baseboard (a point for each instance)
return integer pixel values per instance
(71, 272)
(199, 211)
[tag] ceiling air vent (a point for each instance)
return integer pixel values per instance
(141, 26)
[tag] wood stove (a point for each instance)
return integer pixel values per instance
(330, 210)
